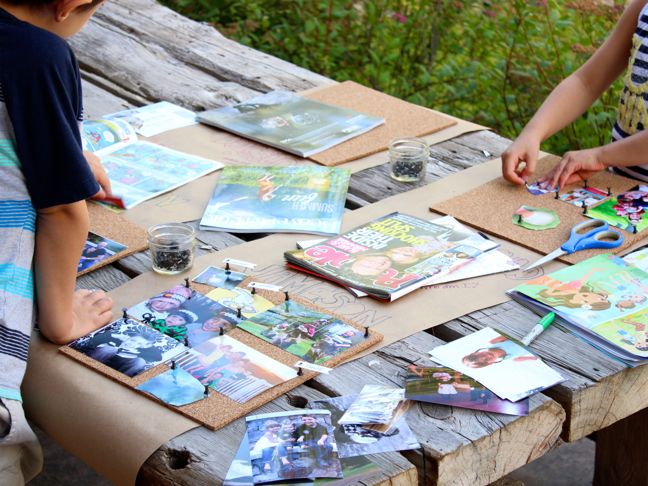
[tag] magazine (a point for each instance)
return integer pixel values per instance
(278, 199)
(140, 170)
(289, 122)
(390, 256)
(603, 300)
(157, 118)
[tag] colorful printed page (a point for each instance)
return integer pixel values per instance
(103, 136)
(154, 119)
(638, 258)
(291, 123)
(313, 336)
(626, 211)
(391, 256)
(509, 370)
(278, 199)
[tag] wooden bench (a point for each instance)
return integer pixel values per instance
(135, 52)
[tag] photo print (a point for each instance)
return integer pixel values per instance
(355, 440)
(587, 196)
(536, 219)
(311, 335)
(219, 277)
(375, 404)
(128, 346)
(292, 445)
(249, 303)
(233, 369)
(508, 369)
(174, 387)
(538, 190)
(185, 315)
(446, 386)
(96, 249)
(626, 211)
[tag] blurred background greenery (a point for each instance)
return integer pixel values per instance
(491, 62)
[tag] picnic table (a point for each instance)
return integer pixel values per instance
(135, 52)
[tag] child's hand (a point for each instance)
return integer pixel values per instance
(519, 160)
(91, 309)
(100, 174)
(574, 167)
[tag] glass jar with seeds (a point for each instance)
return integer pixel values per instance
(408, 159)
(172, 247)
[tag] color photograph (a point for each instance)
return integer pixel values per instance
(233, 369)
(587, 196)
(96, 249)
(375, 404)
(239, 298)
(536, 219)
(174, 387)
(292, 445)
(185, 315)
(626, 211)
(219, 277)
(128, 346)
(446, 386)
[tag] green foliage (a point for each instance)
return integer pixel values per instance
(492, 62)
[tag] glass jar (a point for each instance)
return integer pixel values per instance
(172, 247)
(408, 159)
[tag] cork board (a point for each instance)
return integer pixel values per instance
(490, 207)
(402, 119)
(217, 410)
(113, 226)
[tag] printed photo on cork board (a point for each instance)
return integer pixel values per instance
(626, 210)
(96, 249)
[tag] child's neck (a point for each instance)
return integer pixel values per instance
(42, 17)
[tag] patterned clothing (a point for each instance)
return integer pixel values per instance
(633, 111)
(41, 165)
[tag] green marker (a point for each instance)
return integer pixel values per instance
(544, 323)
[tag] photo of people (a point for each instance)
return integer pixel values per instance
(587, 196)
(219, 277)
(128, 346)
(175, 387)
(239, 298)
(375, 404)
(626, 211)
(292, 445)
(355, 440)
(506, 368)
(96, 249)
(311, 335)
(446, 386)
(233, 369)
(185, 315)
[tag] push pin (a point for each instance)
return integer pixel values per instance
(227, 268)
(206, 392)
(584, 208)
(585, 184)
(239, 314)
(557, 196)
(519, 218)
(186, 341)
(253, 290)
(366, 334)
(634, 229)
(173, 365)
(124, 314)
(187, 283)
(222, 331)
(609, 191)
(286, 294)
(300, 372)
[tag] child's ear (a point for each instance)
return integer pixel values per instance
(63, 8)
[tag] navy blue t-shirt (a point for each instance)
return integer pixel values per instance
(40, 85)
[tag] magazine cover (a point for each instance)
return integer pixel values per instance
(602, 297)
(278, 199)
(390, 256)
(291, 123)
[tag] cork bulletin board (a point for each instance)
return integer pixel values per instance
(490, 208)
(113, 226)
(402, 119)
(218, 410)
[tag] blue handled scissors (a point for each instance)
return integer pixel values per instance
(599, 235)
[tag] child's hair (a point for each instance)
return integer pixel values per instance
(149, 334)
(187, 315)
(42, 3)
(567, 299)
(477, 359)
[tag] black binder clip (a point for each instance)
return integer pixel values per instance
(124, 314)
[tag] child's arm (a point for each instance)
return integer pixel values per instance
(569, 100)
(64, 314)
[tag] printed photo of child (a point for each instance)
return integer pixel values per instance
(96, 249)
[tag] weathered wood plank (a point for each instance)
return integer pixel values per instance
(374, 184)
(98, 102)
(105, 278)
(146, 51)
(202, 456)
(460, 446)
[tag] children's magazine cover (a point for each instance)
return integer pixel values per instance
(600, 299)
(626, 211)
(289, 122)
(391, 256)
(294, 199)
(138, 170)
